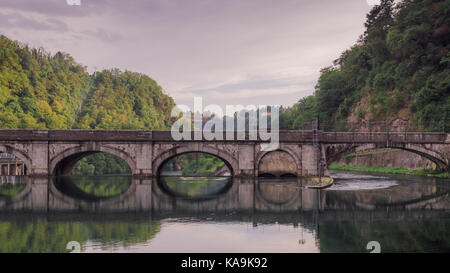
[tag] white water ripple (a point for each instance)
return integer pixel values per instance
(345, 181)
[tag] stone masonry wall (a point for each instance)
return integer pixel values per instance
(389, 159)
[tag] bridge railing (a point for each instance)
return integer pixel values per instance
(139, 135)
(75, 135)
(285, 136)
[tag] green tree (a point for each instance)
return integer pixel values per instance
(398, 68)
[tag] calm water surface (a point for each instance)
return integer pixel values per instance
(220, 214)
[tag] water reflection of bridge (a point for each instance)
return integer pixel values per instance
(246, 196)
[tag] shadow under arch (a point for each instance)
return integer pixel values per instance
(19, 154)
(63, 163)
(266, 175)
(290, 168)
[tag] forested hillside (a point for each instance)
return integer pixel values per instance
(125, 100)
(43, 91)
(397, 70)
(40, 90)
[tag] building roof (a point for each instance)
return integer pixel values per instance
(8, 157)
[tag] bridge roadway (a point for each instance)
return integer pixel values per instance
(55, 152)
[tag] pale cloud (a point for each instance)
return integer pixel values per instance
(229, 52)
(15, 20)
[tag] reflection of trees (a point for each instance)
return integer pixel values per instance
(195, 187)
(198, 164)
(393, 235)
(102, 186)
(42, 236)
(101, 163)
(11, 189)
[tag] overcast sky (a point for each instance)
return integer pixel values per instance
(227, 51)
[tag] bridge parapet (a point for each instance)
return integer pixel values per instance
(76, 135)
(289, 136)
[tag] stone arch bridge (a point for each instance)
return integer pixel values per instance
(299, 153)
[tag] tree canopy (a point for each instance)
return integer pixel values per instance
(43, 91)
(399, 68)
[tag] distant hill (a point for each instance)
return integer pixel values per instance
(397, 72)
(39, 90)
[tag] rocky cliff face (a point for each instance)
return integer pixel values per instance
(389, 159)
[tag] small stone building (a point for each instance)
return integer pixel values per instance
(11, 165)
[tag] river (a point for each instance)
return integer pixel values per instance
(221, 214)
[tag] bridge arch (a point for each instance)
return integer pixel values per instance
(62, 163)
(228, 159)
(278, 163)
(19, 154)
(334, 152)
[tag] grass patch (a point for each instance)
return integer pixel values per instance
(398, 170)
